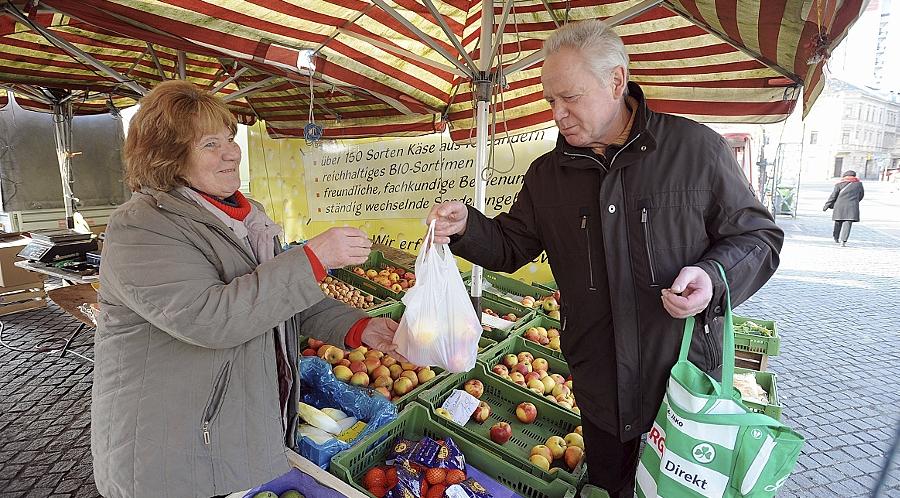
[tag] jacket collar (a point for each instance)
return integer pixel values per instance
(640, 142)
(175, 202)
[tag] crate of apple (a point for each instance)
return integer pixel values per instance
(389, 277)
(511, 421)
(542, 330)
(519, 362)
(371, 368)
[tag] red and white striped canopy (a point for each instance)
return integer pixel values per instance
(404, 67)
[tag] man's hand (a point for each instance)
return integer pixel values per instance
(341, 246)
(379, 334)
(450, 219)
(695, 289)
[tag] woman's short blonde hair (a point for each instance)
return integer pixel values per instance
(172, 117)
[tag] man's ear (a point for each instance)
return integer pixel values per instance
(619, 82)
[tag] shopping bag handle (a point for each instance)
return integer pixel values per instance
(727, 340)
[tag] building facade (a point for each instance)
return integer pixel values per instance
(852, 128)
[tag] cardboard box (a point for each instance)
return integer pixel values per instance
(11, 275)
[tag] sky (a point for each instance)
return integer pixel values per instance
(854, 59)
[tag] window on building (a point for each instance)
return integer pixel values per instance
(848, 110)
(813, 137)
(845, 138)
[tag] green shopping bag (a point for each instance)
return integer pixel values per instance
(706, 442)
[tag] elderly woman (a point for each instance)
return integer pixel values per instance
(195, 378)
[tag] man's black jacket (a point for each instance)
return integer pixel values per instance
(672, 196)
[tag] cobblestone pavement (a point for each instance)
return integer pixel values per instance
(838, 372)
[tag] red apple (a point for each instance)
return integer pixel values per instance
(517, 378)
(526, 412)
(425, 375)
(314, 343)
(320, 351)
(501, 432)
(540, 461)
(358, 366)
(482, 412)
(540, 364)
(474, 387)
(532, 335)
(384, 392)
(557, 446)
(371, 364)
(412, 376)
(380, 371)
(384, 381)
(522, 368)
(573, 456)
(342, 373)
(500, 370)
(525, 356)
(360, 379)
(402, 386)
(542, 450)
(309, 352)
(510, 361)
(333, 354)
(532, 376)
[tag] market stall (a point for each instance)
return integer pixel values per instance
(365, 74)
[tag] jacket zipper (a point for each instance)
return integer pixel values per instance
(587, 237)
(215, 400)
(648, 245)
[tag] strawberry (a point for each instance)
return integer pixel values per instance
(375, 478)
(454, 476)
(435, 476)
(436, 491)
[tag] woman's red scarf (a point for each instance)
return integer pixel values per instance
(237, 206)
(843, 179)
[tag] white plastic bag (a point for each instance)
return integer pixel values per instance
(439, 326)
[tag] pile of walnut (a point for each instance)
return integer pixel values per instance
(336, 289)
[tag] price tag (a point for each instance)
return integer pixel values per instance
(460, 404)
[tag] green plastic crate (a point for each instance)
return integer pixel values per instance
(550, 286)
(591, 491)
(515, 345)
(376, 261)
(377, 301)
(393, 310)
(768, 381)
(503, 397)
(540, 321)
(502, 307)
(416, 422)
(507, 284)
(757, 343)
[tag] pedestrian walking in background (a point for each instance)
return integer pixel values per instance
(844, 200)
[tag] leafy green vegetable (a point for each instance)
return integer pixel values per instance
(751, 327)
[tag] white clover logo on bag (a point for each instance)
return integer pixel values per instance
(704, 453)
(756, 433)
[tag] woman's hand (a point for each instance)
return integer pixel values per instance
(341, 246)
(379, 334)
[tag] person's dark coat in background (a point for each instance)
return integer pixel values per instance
(844, 199)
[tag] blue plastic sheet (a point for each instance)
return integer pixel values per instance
(296, 480)
(320, 388)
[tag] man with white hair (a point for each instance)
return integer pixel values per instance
(634, 208)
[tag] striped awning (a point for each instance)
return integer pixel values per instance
(404, 67)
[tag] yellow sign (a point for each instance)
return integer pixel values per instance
(386, 187)
(405, 177)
